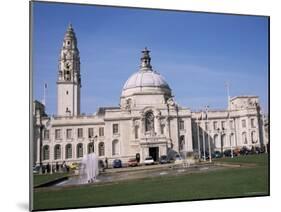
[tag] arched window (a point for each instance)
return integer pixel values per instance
(115, 147)
(79, 150)
(46, 152)
(181, 143)
(57, 151)
(216, 141)
(231, 139)
(136, 132)
(90, 148)
(68, 151)
(254, 137)
(223, 140)
(244, 138)
(149, 121)
(101, 149)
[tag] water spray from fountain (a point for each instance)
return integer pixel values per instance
(89, 169)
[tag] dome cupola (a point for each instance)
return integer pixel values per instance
(146, 80)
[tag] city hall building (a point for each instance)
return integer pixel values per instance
(147, 121)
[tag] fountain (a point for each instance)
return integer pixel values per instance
(89, 169)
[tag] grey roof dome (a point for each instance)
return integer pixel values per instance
(146, 76)
(145, 79)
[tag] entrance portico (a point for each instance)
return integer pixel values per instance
(154, 147)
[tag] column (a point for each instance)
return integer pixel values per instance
(38, 138)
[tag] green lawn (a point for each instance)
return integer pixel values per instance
(45, 178)
(232, 182)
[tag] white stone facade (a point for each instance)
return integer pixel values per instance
(147, 122)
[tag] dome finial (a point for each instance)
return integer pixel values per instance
(145, 60)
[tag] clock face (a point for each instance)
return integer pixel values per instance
(67, 66)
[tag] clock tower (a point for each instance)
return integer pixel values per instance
(69, 81)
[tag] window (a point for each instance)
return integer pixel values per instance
(80, 133)
(68, 133)
(57, 151)
(115, 128)
(253, 123)
(244, 138)
(67, 75)
(215, 125)
(206, 125)
(149, 121)
(254, 137)
(162, 127)
(46, 152)
(68, 151)
(181, 125)
(115, 147)
(90, 132)
(136, 132)
(101, 131)
(90, 147)
(223, 140)
(79, 150)
(46, 134)
(181, 144)
(231, 139)
(101, 149)
(244, 123)
(66, 92)
(223, 125)
(231, 125)
(58, 134)
(216, 141)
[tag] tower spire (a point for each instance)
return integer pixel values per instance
(69, 81)
(145, 60)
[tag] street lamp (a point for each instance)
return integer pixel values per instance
(41, 148)
(229, 127)
(219, 132)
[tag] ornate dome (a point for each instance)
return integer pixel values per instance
(146, 78)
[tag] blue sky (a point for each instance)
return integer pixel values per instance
(195, 52)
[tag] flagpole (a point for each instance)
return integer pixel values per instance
(198, 138)
(45, 95)
(229, 127)
(208, 136)
(228, 96)
(203, 134)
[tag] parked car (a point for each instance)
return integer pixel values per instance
(149, 161)
(73, 166)
(101, 165)
(244, 151)
(178, 159)
(117, 163)
(36, 169)
(256, 150)
(132, 162)
(164, 159)
(206, 155)
(227, 153)
(217, 154)
(236, 151)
